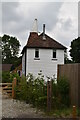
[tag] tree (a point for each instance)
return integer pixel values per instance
(75, 50)
(66, 59)
(10, 49)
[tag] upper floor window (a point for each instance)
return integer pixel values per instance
(54, 54)
(36, 53)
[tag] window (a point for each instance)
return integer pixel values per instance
(36, 53)
(54, 53)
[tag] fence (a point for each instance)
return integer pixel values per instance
(7, 88)
(72, 73)
(13, 88)
(49, 97)
(49, 91)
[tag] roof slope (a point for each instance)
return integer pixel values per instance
(48, 43)
(39, 42)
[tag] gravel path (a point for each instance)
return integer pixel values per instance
(16, 109)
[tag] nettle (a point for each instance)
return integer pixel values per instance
(34, 91)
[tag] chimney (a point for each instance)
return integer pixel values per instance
(44, 38)
(34, 31)
(33, 35)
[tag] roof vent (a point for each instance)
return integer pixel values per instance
(44, 38)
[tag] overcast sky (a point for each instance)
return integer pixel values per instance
(61, 19)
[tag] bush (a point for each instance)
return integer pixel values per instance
(7, 77)
(13, 75)
(34, 91)
(63, 88)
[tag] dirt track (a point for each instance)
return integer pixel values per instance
(16, 109)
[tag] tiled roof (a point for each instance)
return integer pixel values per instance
(37, 41)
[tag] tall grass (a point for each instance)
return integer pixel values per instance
(34, 91)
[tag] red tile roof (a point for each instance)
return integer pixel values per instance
(37, 41)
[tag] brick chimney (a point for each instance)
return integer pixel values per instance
(34, 31)
(33, 35)
(44, 37)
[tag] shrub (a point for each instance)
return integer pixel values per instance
(63, 90)
(34, 91)
(8, 77)
(13, 75)
(5, 77)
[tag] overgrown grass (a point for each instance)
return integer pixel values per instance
(34, 91)
(62, 113)
(7, 77)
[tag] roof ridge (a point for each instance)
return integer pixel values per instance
(53, 39)
(38, 42)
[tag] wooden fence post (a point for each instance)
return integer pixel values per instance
(49, 95)
(74, 114)
(13, 86)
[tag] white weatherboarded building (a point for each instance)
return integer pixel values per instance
(42, 53)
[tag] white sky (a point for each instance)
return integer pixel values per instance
(60, 17)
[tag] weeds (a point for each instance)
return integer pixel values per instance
(34, 91)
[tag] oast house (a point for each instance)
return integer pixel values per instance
(42, 53)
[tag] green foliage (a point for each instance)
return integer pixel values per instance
(13, 75)
(34, 91)
(16, 62)
(78, 111)
(68, 61)
(10, 50)
(63, 113)
(75, 50)
(7, 77)
(63, 88)
(63, 85)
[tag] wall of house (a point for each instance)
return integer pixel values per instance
(23, 64)
(46, 64)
